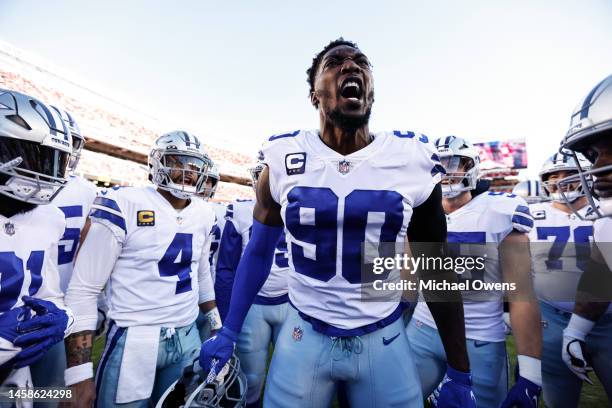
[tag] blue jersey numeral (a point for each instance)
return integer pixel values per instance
(311, 217)
(455, 239)
(12, 274)
(70, 240)
(172, 265)
(280, 255)
(562, 236)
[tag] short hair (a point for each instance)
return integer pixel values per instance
(312, 71)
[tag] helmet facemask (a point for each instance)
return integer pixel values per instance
(566, 192)
(31, 172)
(181, 173)
(255, 172)
(461, 175)
(77, 146)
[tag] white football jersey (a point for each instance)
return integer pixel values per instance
(331, 204)
(219, 210)
(154, 280)
(28, 261)
(603, 238)
(240, 214)
(75, 201)
(487, 219)
(560, 250)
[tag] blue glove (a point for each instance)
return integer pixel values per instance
(217, 351)
(455, 391)
(8, 333)
(40, 332)
(524, 394)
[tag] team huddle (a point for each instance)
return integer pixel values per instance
(189, 296)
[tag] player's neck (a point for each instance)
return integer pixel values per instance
(455, 203)
(9, 206)
(176, 203)
(577, 205)
(344, 141)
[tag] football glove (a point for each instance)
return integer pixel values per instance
(8, 333)
(524, 393)
(574, 353)
(455, 391)
(39, 333)
(216, 352)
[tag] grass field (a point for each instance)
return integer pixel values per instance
(593, 396)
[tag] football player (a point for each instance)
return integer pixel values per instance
(332, 189)
(531, 191)
(590, 133)
(265, 317)
(74, 200)
(560, 249)
(151, 245)
(492, 225)
(35, 147)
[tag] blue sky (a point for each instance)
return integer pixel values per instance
(483, 70)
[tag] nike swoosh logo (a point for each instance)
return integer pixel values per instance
(534, 398)
(479, 344)
(386, 342)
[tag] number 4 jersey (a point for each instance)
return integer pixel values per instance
(331, 204)
(154, 258)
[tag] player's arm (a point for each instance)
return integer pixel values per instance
(92, 270)
(592, 300)
(524, 316)
(206, 297)
(230, 249)
(428, 225)
(251, 274)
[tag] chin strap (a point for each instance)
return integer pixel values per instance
(9, 165)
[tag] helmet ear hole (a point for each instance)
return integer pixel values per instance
(18, 120)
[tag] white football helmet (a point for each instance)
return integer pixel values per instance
(214, 177)
(78, 140)
(461, 161)
(179, 164)
(256, 169)
(35, 148)
(532, 191)
(563, 162)
(227, 390)
(590, 121)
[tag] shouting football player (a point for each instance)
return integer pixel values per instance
(333, 189)
(35, 146)
(590, 133)
(150, 245)
(492, 226)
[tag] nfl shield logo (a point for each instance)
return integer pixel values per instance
(344, 166)
(9, 228)
(297, 333)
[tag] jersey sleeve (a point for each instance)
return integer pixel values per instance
(522, 221)
(424, 157)
(107, 211)
(276, 151)
(205, 282)
(92, 269)
(512, 212)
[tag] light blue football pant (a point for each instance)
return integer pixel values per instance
(561, 387)
(174, 354)
(260, 328)
(203, 327)
(307, 365)
(49, 371)
(488, 363)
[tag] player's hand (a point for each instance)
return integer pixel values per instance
(83, 395)
(574, 353)
(39, 333)
(524, 394)
(8, 333)
(455, 390)
(217, 351)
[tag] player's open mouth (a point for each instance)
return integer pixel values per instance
(351, 89)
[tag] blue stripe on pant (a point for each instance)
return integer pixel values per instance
(488, 362)
(260, 329)
(174, 353)
(561, 387)
(377, 368)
